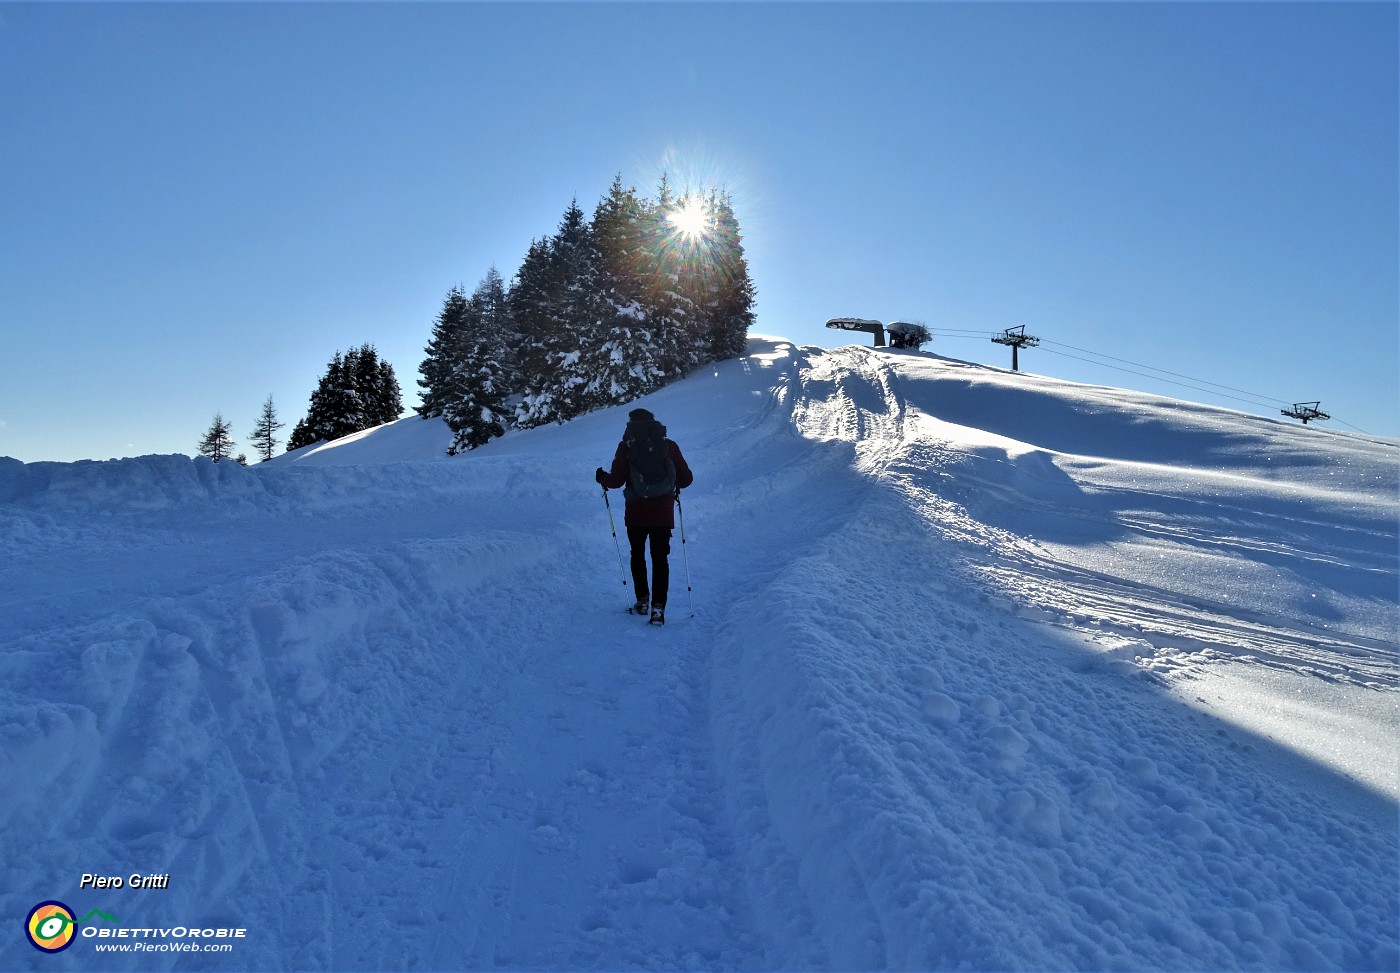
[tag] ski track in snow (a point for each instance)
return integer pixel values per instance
(947, 698)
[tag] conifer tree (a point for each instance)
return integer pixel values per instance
(477, 389)
(618, 229)
(325, 413)
(264, 437)
(583, 363)
(731, 312)
(669, 308)
(561, 312)
(374, 388)
(629, 351)
(301, 435)
(217, 443)
(531, 300)
(493, 302)
(908, 334)
(388, 396)
(340, 406)
(442, 350)
(359, 376)
(357, 392)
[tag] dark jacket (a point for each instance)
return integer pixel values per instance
(648, 511)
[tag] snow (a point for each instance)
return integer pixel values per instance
(408, 439)
(979, 670)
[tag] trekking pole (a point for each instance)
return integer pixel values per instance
(685, 556)
(620, 570)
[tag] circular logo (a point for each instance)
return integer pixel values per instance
(50, 926)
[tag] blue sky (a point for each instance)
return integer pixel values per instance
(202, 203)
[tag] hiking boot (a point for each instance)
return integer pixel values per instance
(658, 614)
(640, 608)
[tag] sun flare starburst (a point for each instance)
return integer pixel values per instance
(691, 220)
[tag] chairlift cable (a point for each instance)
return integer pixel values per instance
(1257, 399)
(1350, 426)
(1256, 403)
(1203, 381)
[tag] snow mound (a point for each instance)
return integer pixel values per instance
(964, 669)
(407, 439)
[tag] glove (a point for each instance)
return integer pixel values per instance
(598, 476)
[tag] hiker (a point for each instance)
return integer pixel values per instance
(652, 472)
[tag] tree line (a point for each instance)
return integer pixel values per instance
(599, 313)
(358, 391)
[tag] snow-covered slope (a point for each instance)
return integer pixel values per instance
(979, 670)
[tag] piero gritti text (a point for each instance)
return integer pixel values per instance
(133, 881)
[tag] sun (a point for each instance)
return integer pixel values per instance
(692, 220)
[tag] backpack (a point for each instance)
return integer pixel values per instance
(649, 460)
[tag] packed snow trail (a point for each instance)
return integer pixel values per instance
(436, 739)
(393, 715)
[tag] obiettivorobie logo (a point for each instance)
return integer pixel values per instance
(51, 927)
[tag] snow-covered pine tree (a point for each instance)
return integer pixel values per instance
(699, 268)
(618, 230)
(360, 367)
(629, 353)
(563, 330)
(437, 368)
(357, 392)
(217, 443)
(340, 406)
(731, 314)
(583, 366)
(376, 388)
(477, 389)
(389, 395)
(908, 334)
(493, 300)
(531, 299)
(327, 403)
(301, 435)
(264, 437)
(670, 312)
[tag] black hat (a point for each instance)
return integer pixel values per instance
(638, 415)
